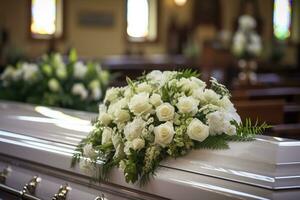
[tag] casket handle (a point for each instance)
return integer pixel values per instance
(62, 192)
(102, 197)
(4, 174)
(30, 187)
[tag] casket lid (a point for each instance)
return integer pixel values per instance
(267, 162)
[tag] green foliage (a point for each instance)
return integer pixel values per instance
(168, 92)
(73, 55)
(187, 73)
(212, 142)
(219, 88)
(53, 67)
(130, 82)
(249, 129)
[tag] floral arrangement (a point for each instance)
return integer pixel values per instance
(159, 115)
(246, 42)
(53, 82)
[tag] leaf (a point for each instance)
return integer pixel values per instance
(187, 73)
(247, 129)
(73, 55)
(212, 142)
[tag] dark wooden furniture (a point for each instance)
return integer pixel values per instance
(269, 111)
(133, 66)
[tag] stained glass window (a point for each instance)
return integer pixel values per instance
(282, 19)
(46, 18)
(141, 20)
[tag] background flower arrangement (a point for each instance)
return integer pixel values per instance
(159, 115)
(53, 82)
(246, 42)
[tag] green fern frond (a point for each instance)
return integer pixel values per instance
(129, 82)
(249, 129)
(187, 73)
(213, 142)
(219, 88)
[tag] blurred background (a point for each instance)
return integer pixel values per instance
(252, 46)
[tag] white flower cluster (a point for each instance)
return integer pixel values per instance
(151, 112)
(24, 71)
(246, 40)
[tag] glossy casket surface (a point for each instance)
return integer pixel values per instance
(36, 137)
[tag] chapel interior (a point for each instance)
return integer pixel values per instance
(130, 37)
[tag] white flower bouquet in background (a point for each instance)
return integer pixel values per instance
(246, 42)
(53, 81)
(159, 115)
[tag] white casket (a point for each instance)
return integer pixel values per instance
(39, 141)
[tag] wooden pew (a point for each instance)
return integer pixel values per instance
(292, 113)
(269, 111)
(273, 112)
(290, 94)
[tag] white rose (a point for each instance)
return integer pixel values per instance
(187, 105)
(104, 118)
(165, 112)
(144, 87)
(112, 94)
(167, 76)
(79, 70)
(121, 115)
(106, 135)
(209, 97)
(155, 100)
(117, 105)
(197, 83)
(198, 93)
(79, 89)
(191, 84)
(164, 134)
(138, 143)
(88, 151)
(219, 122)
(139, 104)
(134, 129)
(196, 130)
(155, 76)
(53, 85)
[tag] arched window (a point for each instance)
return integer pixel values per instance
(141, 20)
(46, 19)
(282, 15)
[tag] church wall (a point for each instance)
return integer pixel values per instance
(99, 42)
